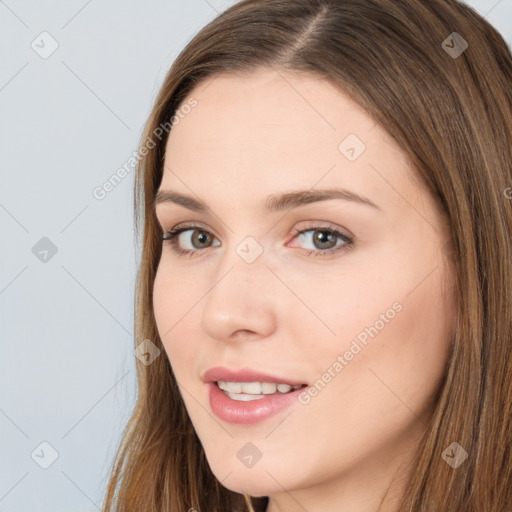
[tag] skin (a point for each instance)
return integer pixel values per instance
(292, 314)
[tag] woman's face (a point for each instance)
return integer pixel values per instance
(357, 309)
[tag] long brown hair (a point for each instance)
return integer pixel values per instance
(449, 107)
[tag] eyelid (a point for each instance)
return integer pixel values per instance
(313, 224)
(187, 225)
(324, 225)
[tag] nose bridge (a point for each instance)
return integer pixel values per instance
(240, 297)
(246, 263)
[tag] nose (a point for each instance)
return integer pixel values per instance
(242, 301)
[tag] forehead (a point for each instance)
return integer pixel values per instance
(275, 130)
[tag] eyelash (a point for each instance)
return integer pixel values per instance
(170, 237)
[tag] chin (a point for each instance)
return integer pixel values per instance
(249, 483)
(254, 481)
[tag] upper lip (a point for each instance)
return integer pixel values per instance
(244, 375)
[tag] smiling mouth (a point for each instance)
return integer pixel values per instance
(247, 391)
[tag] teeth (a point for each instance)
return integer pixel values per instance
(243, 397)
(245, 391)
(232, 387)
(252, 388)
(268, 388)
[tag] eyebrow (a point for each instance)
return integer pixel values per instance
(273, 203)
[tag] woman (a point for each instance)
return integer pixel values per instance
(324, 190)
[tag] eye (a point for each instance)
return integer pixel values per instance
(200, 237)
(325, 240)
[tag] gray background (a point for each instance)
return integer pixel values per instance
(68, 121)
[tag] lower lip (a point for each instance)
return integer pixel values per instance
(251, 412)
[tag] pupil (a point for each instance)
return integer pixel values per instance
(324, 236)
(201, 237)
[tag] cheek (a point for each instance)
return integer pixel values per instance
(174, 293)
(382, 393)
(173, 305)
(394, 327)
(400, 363)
